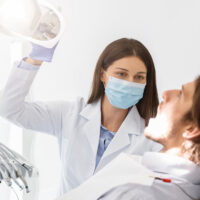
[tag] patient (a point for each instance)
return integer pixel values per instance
(177, 128)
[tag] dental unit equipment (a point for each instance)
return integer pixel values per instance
(31, 20)
(15, 169)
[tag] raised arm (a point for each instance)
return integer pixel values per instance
(43, 117)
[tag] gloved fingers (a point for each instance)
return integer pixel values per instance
(42, 53)
(37, 46)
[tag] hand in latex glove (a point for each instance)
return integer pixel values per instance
(42, 53)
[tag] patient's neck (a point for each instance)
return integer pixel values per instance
(173, 151)
(173, 147)
(176, 151)
(184, 150)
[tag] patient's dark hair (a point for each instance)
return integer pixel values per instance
(193, 146)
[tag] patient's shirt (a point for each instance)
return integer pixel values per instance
(184, 175)
(130, 177)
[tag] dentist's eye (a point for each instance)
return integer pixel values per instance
(121, 74)
(140, 77)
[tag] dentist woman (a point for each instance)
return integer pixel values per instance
(90, 134)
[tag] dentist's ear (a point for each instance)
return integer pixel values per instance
(103, 76)
(192, 133)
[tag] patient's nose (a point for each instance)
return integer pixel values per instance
(165, 95)
(169, 95)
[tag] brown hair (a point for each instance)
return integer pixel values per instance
(147, 106)
(192, 147)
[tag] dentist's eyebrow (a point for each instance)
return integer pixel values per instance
(121, 68)
(127, 70)
(141, 72)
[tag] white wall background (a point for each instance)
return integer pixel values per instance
(170, 29)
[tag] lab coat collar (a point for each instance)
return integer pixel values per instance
(91, 128)
(172, 165)
(133, 123)
(91, 110)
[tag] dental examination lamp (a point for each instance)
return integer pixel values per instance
(14, 169)
(31, 20)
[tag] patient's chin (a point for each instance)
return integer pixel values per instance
(156, 128)
(151, 136)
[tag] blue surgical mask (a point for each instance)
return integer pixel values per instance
(123, 94)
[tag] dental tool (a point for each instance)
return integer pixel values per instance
(15, 169)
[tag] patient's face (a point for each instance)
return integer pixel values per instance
(168, 126)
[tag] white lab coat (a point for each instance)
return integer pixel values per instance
(76, 126)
